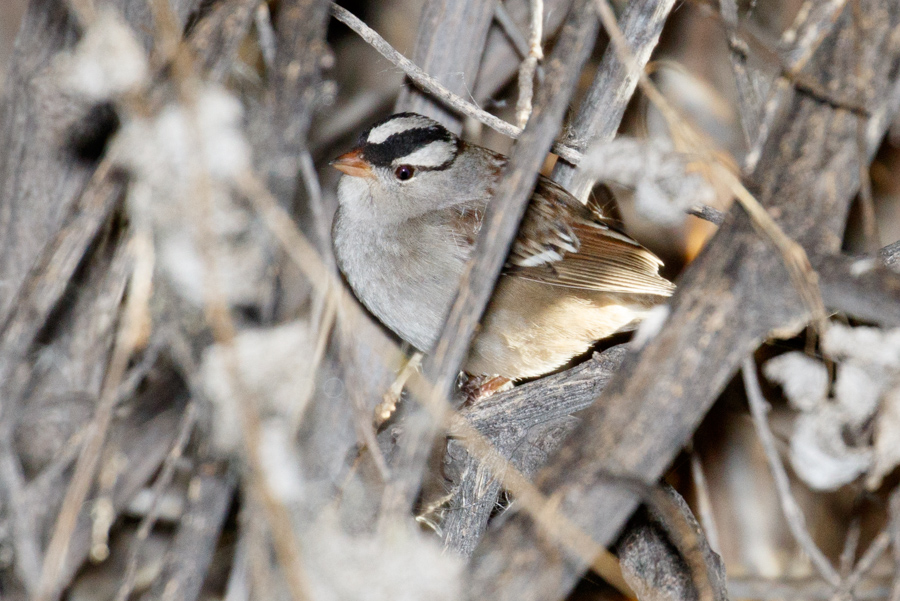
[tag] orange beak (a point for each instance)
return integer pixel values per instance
(353, 164)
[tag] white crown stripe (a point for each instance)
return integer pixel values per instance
(384, 131)
(433, 154)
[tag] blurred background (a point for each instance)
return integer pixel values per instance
(693, 69)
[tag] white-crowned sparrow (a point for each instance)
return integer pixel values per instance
(411, 205)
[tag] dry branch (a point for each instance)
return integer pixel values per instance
(667, 556)
(188, 560)
(162, 481)
(44, 186)
(733, 296)
(438, 52)
(292, 95)
(501, 56)
(748, 101)
(434, 87)
(144, 445)
(890, 255)
(216, 39)
(894, 528)
(509, 421)
(601, 112)
(500, 224)
(792, 512)
(808, 588)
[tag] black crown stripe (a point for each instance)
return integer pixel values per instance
(404, 143)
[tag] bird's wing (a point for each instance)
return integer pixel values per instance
(564, 243)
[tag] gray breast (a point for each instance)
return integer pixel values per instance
(406, 275)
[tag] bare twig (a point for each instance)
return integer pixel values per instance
(748, 102)
(209, 497)
(851, 546)
(294, 89)
(529, 65)
(792, 512)
(704, 503)
(876, 549)
(511, 29)
(217, 311)
(866, 201)
(809, 588)
(262, 19)
(143, 447)
(794, 256)
(707, 213)
(890, 256)
(159, 486)
(433, 86)
(218, 316)
(54, 269)
(815, 21)
(129, 336)
(238, 587)
(706, 570)
(26, 543)
(216, 38)
(438, 52)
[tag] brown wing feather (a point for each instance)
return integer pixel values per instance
(564, 243)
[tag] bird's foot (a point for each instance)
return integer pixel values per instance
(478, 388)
(389, 399)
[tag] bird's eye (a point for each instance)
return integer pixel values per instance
(404, 172)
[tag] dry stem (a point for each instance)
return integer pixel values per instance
(131, 332)
(162, 481)
(795, 259)
(433, 86)
(792, 512)
(529, 65)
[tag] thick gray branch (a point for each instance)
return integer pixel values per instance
(506, 420)
(732, 297)
(600, 114)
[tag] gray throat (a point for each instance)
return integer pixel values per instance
(406, 274)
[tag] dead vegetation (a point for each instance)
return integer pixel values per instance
(192, 405)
